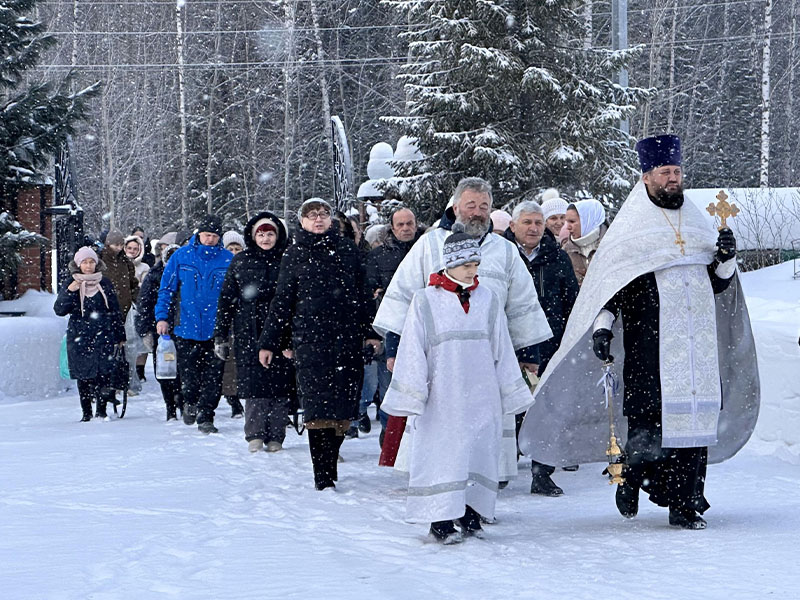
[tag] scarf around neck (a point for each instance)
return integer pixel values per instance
(90, 285)
(443, 281)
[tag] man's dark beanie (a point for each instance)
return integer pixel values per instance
(210, 224)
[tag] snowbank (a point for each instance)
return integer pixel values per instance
(30, 347)
(773, 299)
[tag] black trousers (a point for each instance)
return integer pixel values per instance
(94, 389)
(673, 477)
(170, 388)
(200, 373)
(266, 419)
(324, 446)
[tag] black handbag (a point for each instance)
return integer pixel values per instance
(118, 378)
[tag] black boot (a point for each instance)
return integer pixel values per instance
(542, 485)
(446, 533)
(140, 373)
(686, 518)
(237, 410)
(364, 424)
(321, 450)
(86, 407)
(189, 413)
(471, 523)
(172, 411)
(100, 411)
(627, 498)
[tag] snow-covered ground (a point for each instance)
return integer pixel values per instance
(139, 508)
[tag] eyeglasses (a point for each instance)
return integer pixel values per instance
(314, 215)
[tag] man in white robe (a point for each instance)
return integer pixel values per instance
(501, 270)
(665, 280)
(457, 373)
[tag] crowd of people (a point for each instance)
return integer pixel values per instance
(448, 329)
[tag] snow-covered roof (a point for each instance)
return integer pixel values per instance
(769, 218)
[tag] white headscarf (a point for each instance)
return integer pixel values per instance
(592, 215)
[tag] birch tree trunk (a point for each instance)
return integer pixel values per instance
(765, 100)
(323, 80)
(587, 12)
(290, 9)
(182, 114)
(790, 118)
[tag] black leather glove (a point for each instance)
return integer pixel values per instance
(726, 245)
(601, 344)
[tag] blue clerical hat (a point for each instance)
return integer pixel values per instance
(659, 151)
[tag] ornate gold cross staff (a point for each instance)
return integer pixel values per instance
(723, 209)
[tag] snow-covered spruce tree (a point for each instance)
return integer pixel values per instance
(34, 119)
(13, 239)
(506, 90)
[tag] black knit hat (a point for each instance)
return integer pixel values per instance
(210, 224)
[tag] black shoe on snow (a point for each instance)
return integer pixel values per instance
(446, 533)
(172, 413)
(627, 498)
(207, 427)
(189, 414)
(351, 433)
(542, 485)
(502, 485)
(237, 410)
(364, 424)
(686, 519)
(140, 373)
(471, 523)
(86, 417)
(571, 468)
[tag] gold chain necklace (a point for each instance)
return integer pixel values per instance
(679, 241)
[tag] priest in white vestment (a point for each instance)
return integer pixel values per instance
(665, 282)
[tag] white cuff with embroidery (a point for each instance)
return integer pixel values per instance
(605, 320)
(727, 269)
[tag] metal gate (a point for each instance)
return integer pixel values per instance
(66, 213)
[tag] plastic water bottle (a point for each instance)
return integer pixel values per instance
(166, 358)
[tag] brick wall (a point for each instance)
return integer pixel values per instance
(30, 202)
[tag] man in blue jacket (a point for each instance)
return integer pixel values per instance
(192, 280)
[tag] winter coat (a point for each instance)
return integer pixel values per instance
(382, 262)
(321, 297)
(91, 336)
(146, 305)
(556, 287)
(247, 291)
(141, 267)
(582, 250)
(196, 272)
(122, 273)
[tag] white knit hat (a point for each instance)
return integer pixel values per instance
(553, 203)
(232, 237)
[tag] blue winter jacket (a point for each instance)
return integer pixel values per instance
(193, 278)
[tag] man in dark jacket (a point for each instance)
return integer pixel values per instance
(196, 272)
(381, 263)
(146, 327)
(557, 289)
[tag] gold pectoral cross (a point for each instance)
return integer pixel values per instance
(722, 209)
(679, 241)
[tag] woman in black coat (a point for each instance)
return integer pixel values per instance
(321, 297)
(244, 303)
(95, 328)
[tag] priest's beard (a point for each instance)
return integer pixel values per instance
(474, 226)
(670, 200)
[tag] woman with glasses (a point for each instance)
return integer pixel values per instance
(321, 300)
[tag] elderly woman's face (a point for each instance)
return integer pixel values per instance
(88, 265)
(317, 220)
